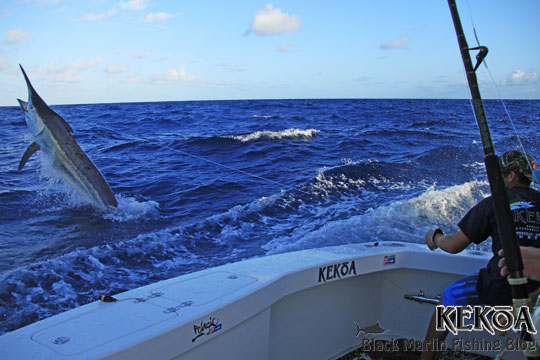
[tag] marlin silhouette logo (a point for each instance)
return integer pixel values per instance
(370, 330)
(52, 134)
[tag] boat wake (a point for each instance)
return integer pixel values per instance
(284, 222)
(406, 220)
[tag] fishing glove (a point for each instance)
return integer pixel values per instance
(430, 238)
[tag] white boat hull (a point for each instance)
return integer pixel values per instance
(288, 306)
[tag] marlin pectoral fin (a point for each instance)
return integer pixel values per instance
(31, 149)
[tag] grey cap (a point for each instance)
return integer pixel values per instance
(519, 162)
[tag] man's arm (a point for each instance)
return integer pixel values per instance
(452, 244)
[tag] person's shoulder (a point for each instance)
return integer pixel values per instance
(524, 193)
(484, 204)
(521, 190)
(487, 200)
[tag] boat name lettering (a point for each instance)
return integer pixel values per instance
(206, 328)
(337, 271)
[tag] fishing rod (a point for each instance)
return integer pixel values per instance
(503, 215)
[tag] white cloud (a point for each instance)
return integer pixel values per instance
(123, 5)
(133, 4)
(271, 21)
(15, 36)
(142, 55)
(45, 2)
(98, 17)
(231, 67)
(395, 44)
(114, 69)
(179, 75)
(159, 16)
(363, 78)
(68, 73)
(285, 48)
(3, 63)
(132, 80)
(520, 77)
(174, 75)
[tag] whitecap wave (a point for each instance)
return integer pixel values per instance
(277, 135)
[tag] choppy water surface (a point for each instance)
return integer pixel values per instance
(205, 183)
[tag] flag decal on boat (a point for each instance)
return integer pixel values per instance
(389, 259)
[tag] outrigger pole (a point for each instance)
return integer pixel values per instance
(509, 240)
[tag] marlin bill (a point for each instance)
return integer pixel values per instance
(53, 135)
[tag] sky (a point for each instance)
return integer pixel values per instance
(101, 51)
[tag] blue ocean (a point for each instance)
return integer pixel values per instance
(204, 183)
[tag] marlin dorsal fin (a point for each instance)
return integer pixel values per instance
(64, 124)
(52, 119)
(31, 149)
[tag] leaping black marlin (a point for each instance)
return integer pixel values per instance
(52, 134)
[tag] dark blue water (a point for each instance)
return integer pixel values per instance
(205, 183)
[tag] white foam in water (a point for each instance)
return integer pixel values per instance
(406, 220)
(51, 183)
(446, 207)
(130, 209)
(278, 135)
(262, 116)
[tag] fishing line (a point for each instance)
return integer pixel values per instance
(132, 137)
(284, 187)
(498, 92)
(522, 147)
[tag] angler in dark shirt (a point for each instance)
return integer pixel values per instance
(488, 287)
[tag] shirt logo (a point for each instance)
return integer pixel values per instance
(518, 205)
